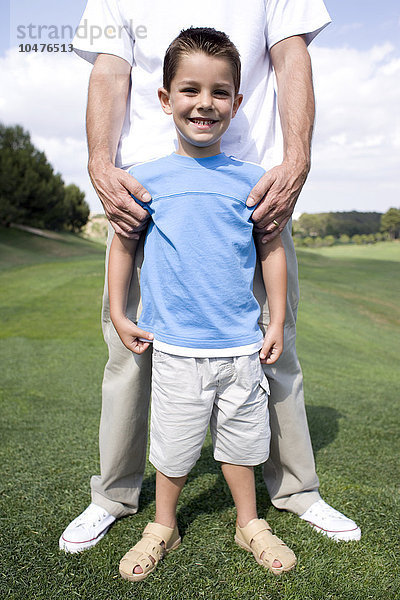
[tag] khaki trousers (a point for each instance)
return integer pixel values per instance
(289, 473)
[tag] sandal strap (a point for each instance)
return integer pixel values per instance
(254, 527)
(158, 532)
(134, 558)
(259, 537)
(149, 546)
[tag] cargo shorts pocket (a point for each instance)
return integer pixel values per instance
(265, 385)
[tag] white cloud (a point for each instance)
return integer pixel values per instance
(356, 152)
(46, 94)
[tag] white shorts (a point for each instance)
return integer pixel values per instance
(188, 394)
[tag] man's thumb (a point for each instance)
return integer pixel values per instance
(259, 190)
(136, 189)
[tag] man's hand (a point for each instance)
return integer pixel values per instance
(114, 186)
(130, 335)
(272, 345)
(277, 192)
(106, 109)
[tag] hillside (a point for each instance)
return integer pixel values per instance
(18, 248)
(52, 357)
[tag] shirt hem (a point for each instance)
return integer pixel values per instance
(244, 350)
(311, 31)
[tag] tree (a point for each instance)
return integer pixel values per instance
(338, 223)
(30, 192)
(390, 222)
(77, 209)
(312, 224)
(344, 239)
(329, 240)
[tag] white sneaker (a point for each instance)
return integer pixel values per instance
(86, 530)
(331, 522)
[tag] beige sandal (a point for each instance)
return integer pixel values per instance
(156, 542)
(257, 537)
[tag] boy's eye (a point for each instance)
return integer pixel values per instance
(221, 93)
(189, 91)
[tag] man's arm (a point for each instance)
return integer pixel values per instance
(273, 265)
(107, 98)
(281, 185)
(120, 266)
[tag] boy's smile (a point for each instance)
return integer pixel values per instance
(202, 101)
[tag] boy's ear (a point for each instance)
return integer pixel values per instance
(236, 103)
(163, 97)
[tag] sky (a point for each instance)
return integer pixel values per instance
(356, 66)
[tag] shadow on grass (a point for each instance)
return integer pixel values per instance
(323, 423)
(215, 497)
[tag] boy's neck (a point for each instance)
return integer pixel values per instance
(187, 149)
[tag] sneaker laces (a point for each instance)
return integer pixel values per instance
(325, 511)
(88, 515)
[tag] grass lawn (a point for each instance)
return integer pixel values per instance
(52, 356)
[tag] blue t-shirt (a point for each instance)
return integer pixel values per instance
(197, 275)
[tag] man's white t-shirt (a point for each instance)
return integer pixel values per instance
(140, 31)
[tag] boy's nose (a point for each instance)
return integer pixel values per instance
(205, 100)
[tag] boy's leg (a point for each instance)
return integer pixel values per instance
(241, 483)
(240, 480)
(179, 419)
(240, 433)
(168, 490)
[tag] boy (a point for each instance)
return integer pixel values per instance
(198, 306)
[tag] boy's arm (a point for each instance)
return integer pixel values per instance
(120, 267)
(273, 264)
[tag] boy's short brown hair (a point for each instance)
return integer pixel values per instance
(201, 39)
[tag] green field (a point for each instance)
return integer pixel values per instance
(52, 357)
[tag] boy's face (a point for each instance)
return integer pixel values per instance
(202, 101)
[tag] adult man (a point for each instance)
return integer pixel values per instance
(125, 126)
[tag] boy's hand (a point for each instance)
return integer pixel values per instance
(130, 334)
(273, 344)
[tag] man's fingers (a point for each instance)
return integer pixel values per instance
(269, 235)
(135, 187)
(275, 219)
(260, 189)
(278, 211)
(128, 233)
(121, 205)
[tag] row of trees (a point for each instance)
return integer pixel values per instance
(347, 227)
(30, 192)
(330, 240)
